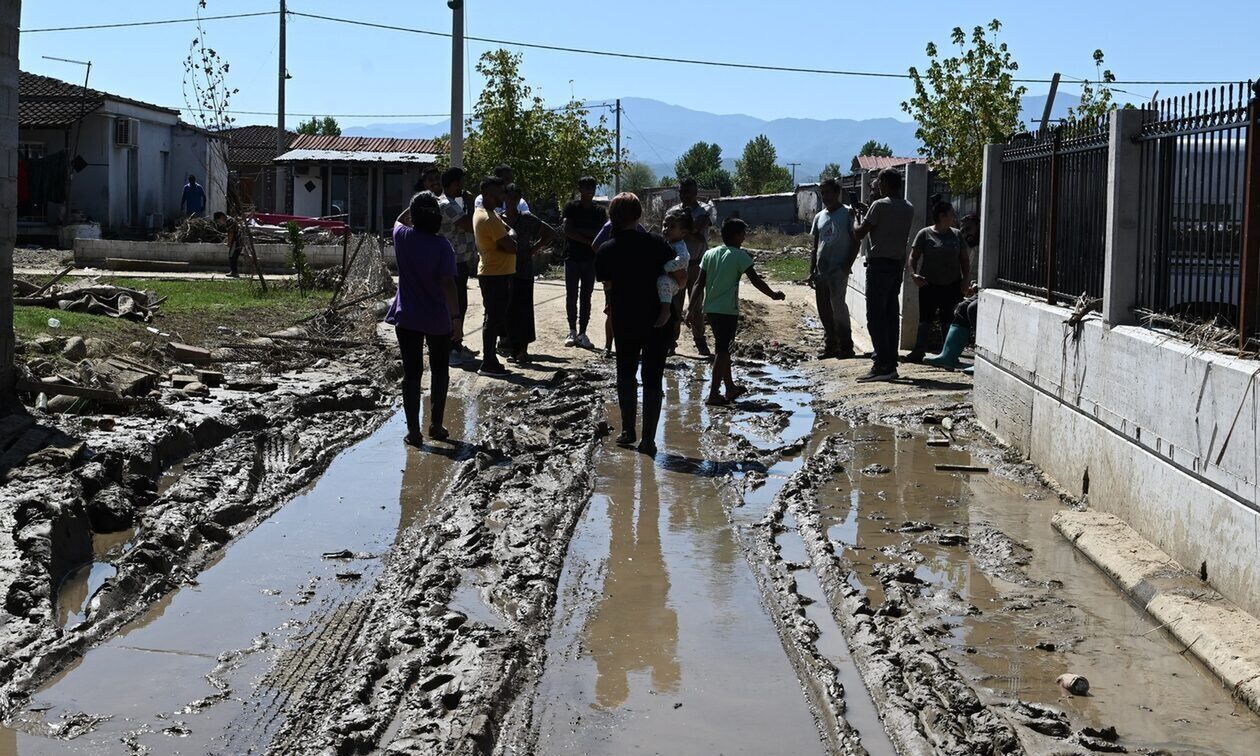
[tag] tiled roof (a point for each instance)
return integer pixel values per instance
(366, 144)
(254, 145)
(47, 102)
(878, 163)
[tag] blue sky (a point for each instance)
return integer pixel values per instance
(351, 70)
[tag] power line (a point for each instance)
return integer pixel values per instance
(635, 126)
(585, 105)
(690, 61)
(131, 24)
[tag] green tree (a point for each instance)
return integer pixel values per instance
(703, 162)
(1096, 97)
(758, 171)
(326, 126)
(830, 170)
(965, 101)
(872, 148)
(549, 149)
(636, 176)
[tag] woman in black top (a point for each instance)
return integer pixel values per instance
(628, 266)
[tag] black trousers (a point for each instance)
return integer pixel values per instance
(579, 282)
(644, 347)
(520, 319)
(411, 346)
(937, 303)
(883, 309)
(496, 296)
(462, 274)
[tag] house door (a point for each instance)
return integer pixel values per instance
(308, 193)
(133, 189)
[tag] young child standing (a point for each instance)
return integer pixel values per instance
(677, 225)
(717, 292)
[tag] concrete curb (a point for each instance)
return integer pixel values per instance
(1221, 635)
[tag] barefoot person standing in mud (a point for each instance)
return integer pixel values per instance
(425, 310)
(717, 292)
(629, 267)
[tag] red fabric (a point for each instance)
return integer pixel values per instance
(336, 227)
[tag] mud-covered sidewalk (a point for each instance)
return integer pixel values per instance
(796, 573)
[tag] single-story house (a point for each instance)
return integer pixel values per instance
(367, 179)
(121, 162)
(251, 170)
(776, 211)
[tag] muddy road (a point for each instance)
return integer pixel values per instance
(789, 575)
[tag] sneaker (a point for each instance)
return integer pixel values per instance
(584, 341)
(702, 349)
(571, 340)
(879, 374)
(233, 274)
(647, 447)
(828, 353)
(456, 358)
(466, 352)
(438, 432)
(846, 354)
(492, 369)
(626, 438)
(415, 439)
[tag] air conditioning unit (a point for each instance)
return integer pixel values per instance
(125, 132)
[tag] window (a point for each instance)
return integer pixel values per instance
(32, 150)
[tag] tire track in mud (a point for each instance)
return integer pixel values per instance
(419, 675)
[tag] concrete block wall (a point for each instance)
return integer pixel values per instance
(10, 15)
(1162, 435)
(274, 258)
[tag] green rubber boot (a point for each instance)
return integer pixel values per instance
(955, 341)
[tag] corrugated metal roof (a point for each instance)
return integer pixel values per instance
(254, 145)
(366, 144)
(355, 156)
(879, 163)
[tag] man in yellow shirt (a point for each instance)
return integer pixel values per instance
(497, 245)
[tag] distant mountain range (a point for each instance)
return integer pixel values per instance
(657, 133)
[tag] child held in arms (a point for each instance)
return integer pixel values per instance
(676, 227)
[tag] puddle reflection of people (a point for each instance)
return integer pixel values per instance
(634, 629)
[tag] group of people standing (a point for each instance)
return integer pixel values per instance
(939, 261)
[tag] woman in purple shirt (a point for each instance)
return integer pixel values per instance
(425, 310)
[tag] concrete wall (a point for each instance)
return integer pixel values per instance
(774, 210)
(97, 253)
(10, 15)
(1156, 432)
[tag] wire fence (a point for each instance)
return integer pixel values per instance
(1054, 212)
(1193, 189)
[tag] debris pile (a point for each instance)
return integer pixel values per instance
(90, 297)
(193, 230)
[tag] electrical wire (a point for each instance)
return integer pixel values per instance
(691, 61)
(635, 126)
(586, 105)
(131, 24)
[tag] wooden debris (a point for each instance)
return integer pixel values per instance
(64, 389)
(937, 441)
(210, 377)
(944, 467)
(52, 281)
(180, 380)
(188, 353)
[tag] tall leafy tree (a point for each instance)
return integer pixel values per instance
(549, 149)
(1096, 96)
(965, 101)
(703, 162)
(872, 148)
(830, 170)
(326, 126)
(758, 171)
(636, 176)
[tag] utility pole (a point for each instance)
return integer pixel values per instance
(280, 133)
(457, 82)
(1045, 114)
(617, 174)
(793, 174)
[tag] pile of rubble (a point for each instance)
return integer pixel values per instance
(90, 297)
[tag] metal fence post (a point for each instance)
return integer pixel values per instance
(990, 216)
(1251, 225)
(1052, 233)
(1124, 197)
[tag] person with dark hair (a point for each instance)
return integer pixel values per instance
(830, 265)
(425, 311)
(717, 291)
(940, 263)
(232, 238)
(192, 203)
(508, 176)
(456, 206)
(582, 221)
(532, 236)
(887, 225)
(496, 243)
(697, 243)
(628, 266)
(431, 181)
(674, 228)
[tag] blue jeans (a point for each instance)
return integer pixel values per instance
(579, 280)
(883, 309)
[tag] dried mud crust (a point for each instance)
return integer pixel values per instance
(419, 676)
(242, 456)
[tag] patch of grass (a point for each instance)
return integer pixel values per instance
(191, 312)
(784, 267)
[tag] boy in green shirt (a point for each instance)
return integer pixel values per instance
(717, 291)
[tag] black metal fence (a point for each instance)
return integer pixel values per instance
(1193, 190)
(1054, 212)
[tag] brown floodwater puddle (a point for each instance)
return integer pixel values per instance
(661, 643)
(1155, 697)
(207, 668)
